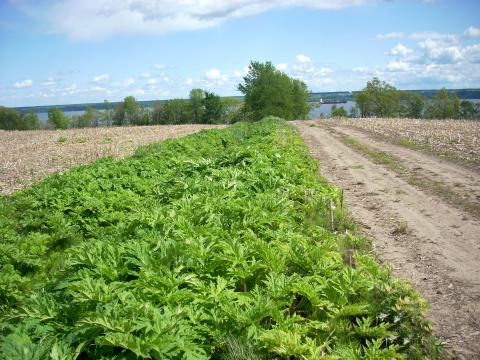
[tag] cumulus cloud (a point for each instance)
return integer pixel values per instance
(397, 66)
(101, 78)
(89, 19)
(159, 66)
(417, 36)
(98, 88)
(152, 82)
(472, 32)
(303, 59)
(23, 84)
(441, 52)
(189, 81)
(282, 67)
(400, 50)
(146, 75)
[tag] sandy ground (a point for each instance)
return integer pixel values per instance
(427, 241)
(29, 156)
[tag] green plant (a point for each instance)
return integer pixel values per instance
(216, 245)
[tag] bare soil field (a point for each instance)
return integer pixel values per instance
(29, 156)
(453, 139)
(414, 208)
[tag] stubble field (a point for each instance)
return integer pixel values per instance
(29, 156)
(455, 139)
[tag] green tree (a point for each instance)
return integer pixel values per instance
(176, 111)
(11, 119)
(300, 99)
(269, 91)
(468, 110)
(213, 109)
(442, 106)
(378, 99)
(412, 105)
(119, 116)
(157, 114)
(132, 111)
(31, 121)
(338, 112)
(107, 114)
(353, 112)
(57, 118)
(197, 105)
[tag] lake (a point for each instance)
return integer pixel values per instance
(326, 109)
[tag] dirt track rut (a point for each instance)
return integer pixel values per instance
(427, 241)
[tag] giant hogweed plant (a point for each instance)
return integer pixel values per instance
(217, 245)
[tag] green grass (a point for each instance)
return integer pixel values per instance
(217, 245)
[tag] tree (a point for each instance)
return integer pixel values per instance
(353, 112)
(411, 105)
(11, 119)
(176, 111)
(468, 110)
(213, 108)
(197, 97)
(157, 114)
(31, 121)
(57, 118)
(132, 110)
(338, 112)
(443, 106)
(378, 99)
(269, 91)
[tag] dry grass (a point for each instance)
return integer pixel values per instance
(28, 156)
(456, 139)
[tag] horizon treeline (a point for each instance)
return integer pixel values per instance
(267, 91)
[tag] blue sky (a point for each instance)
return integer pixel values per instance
(72, 51)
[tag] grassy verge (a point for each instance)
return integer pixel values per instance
(394, 164)
(222, 245)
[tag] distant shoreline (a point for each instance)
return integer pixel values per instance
(335, 96)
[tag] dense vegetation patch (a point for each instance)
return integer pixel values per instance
(223, 245)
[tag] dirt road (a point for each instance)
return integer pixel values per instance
(430, 240)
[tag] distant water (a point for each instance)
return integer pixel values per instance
(326, 109)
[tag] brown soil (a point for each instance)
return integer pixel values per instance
(428, 241)
(29, 156)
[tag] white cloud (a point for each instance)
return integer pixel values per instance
(282, 67)
(397, 66)
(417, 36)
(90, 19)
(303, 59)
(128, 82)
(23, 84)
(139, 91)
(441, 52)
(400, 50)
(166, 79)
(146, 75)
(101, 78)
(159, 66)
(472, 32)
(391, 35)
(152, 82)
(189, 81)
(213, 74)
(241, 73)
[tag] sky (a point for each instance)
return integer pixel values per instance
(77, 51)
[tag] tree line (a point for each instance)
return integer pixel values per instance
(267, 91)
(380, 99)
